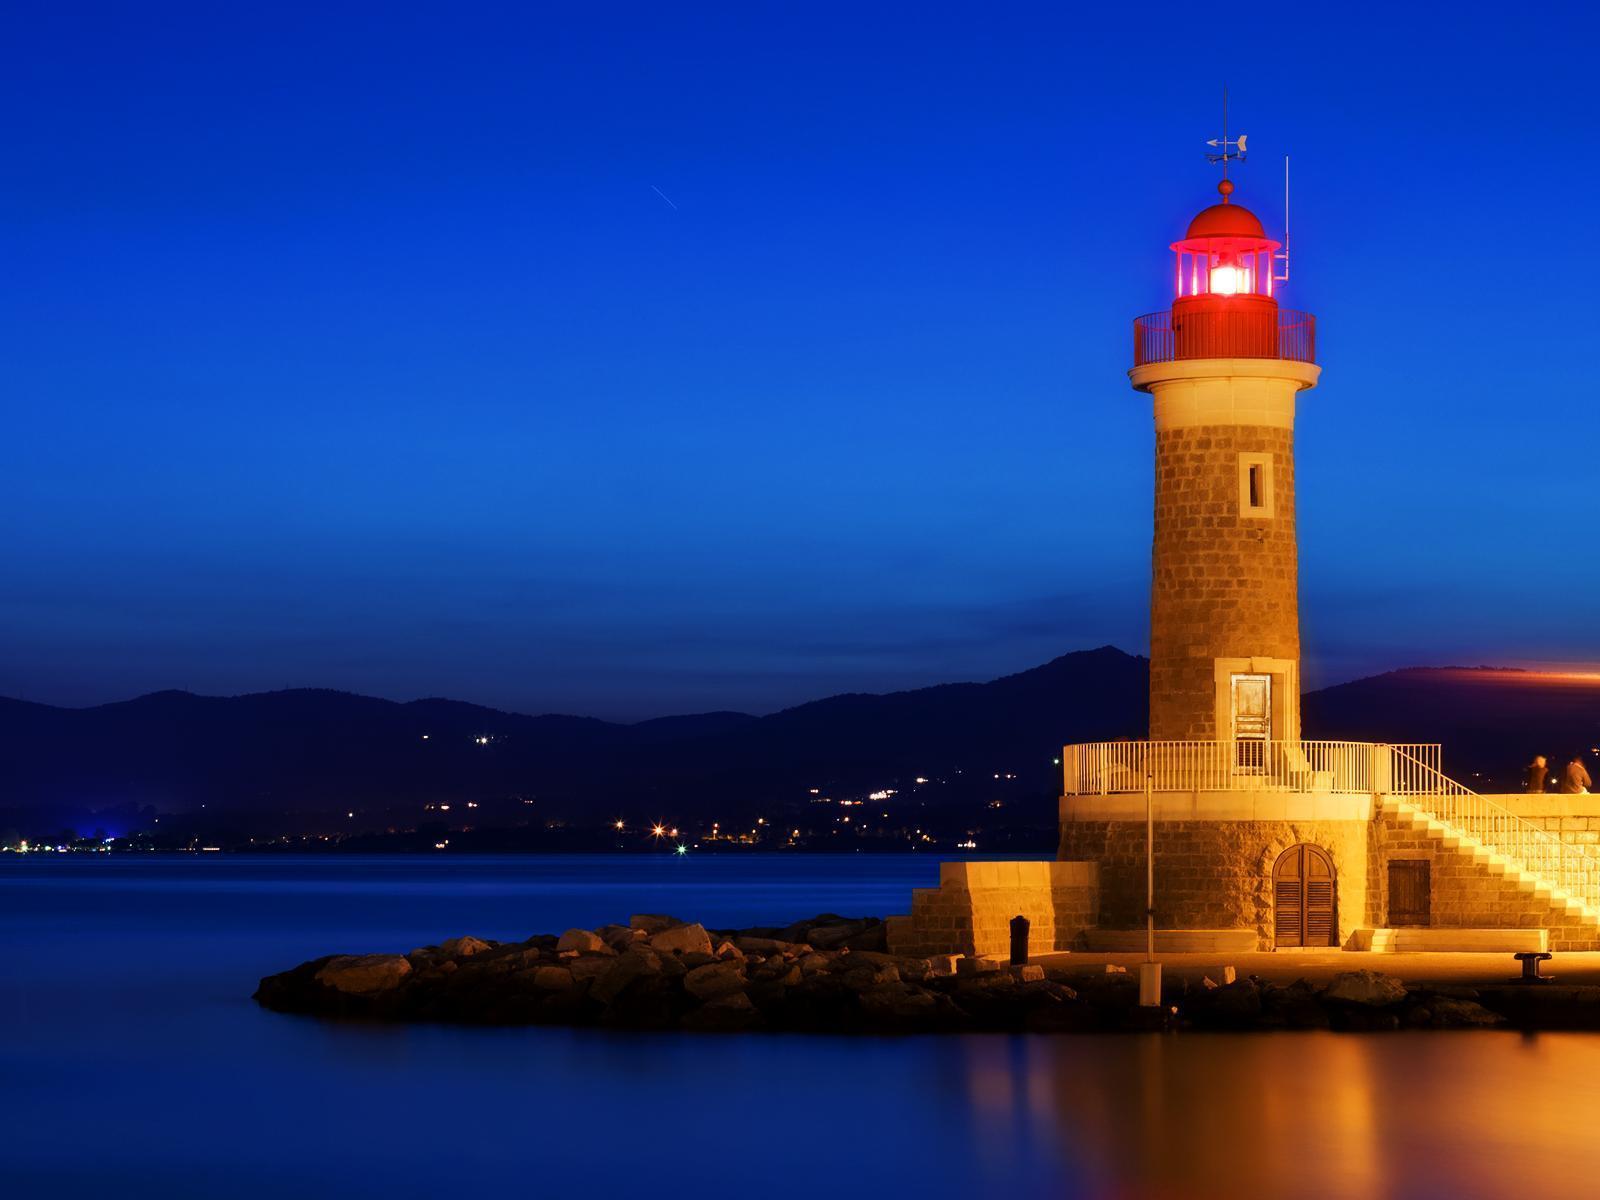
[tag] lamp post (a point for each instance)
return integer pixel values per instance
(1150, 969)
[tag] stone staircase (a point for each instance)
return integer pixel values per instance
(1553, 874)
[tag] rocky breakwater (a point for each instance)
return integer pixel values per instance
(831, 975)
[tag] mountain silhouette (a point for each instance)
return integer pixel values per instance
(325, 753)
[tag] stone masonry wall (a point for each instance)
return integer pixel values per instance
(1222, 585)
(1465, 895)
(1216, 874)
(970, 911)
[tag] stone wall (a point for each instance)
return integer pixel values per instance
(1465, 894)
(1216, 874)
(1222, 585)
(970, 911)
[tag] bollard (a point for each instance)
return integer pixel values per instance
(1019, 940)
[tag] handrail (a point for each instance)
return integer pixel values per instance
(1228, 332)
(1230, 766)
(1565, 864)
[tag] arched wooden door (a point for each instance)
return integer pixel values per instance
(1302, 897)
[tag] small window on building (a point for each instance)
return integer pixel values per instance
(1255, 485)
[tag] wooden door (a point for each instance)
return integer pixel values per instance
(1252, 721)
(1303, 898)
(1410, 893)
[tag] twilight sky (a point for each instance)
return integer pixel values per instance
(640, 358)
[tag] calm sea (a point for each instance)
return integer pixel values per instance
(133, 1063)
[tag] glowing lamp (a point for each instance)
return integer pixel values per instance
(1225, 252)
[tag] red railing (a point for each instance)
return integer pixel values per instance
(1225, 333)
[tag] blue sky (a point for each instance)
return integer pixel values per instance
(632, 359)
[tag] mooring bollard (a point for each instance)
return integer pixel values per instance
(1019, 941)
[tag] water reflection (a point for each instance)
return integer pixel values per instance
(1314, 1114)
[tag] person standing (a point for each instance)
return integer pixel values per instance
(1575, 779)
(1534, 774)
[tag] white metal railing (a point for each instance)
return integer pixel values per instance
(1407, 770)
(1103, 768)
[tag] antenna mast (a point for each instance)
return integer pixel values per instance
(1282, 256)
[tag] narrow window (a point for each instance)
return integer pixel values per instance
(1255, 486)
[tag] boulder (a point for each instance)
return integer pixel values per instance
(591, 966)
(364, 974)
(552, 979)
(1368, 988)
(582, 941)
(898, 1002)
(766, 945)
(728, 950)
(691, 939)
(1450, 1013)
(638, 962)
(715, 979)
(869, 975)
(463, 947)
(620, 937)
(652, 923)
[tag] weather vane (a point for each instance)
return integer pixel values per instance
(1227, 149)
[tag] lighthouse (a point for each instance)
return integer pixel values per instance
(1226, 831)
(1224, 368)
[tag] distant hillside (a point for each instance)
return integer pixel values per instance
(322, 752)
(1491, 722)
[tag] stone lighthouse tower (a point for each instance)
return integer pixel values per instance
(1224, 367)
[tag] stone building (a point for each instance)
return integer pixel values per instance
(1263, 839)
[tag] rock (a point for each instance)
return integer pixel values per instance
(732, 1013)
(685, 939)
(729, 950)
(582, 941)
(1293, 1007)
(364, 974)
(591, 966)
(812, 964)
(552, 979)
(869, 975)
(899, 1002)
(652, 923)
(766, 945)
(1365, 987)
(715, 979)
(464, 947)
(1231, 1004)
(832, 937)
(944, 964)
(1450, 1013)
(1453, 990)
(638, 962)
(1028, 972)
(1113, 969)
(620, 937)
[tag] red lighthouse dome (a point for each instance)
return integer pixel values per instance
(1225, 252)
